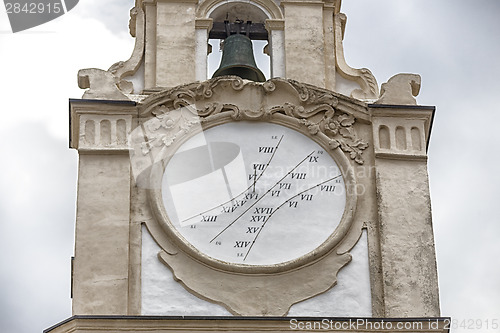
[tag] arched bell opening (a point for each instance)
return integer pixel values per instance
(238, 38)
(262, 60)
(248, 18)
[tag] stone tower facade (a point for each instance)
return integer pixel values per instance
(135, 269)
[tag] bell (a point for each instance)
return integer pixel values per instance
(237, 59)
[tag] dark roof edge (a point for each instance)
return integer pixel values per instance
(396, 106)
(102, 101)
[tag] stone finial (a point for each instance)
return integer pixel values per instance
(401, 89)
(100, 84)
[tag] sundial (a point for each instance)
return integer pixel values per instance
(244, 193)
(253, 194)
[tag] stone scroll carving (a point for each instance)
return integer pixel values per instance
(363, 76)
(252, 299)
(196, 103)
(111, 84)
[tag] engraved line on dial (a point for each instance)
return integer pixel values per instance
(255, 176)
(284, 202)
(262, 196)
(244, 191)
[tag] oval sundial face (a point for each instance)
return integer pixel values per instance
(253, 193)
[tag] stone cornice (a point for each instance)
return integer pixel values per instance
(91, 324)
(275, 25)
(205, 23)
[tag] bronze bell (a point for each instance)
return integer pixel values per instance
(237, 59)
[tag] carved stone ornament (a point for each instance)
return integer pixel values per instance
(111, 84)
(401, 89)
(169, 118)
(363, 76)
(194, 104)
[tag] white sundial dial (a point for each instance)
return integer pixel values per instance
(253, 193)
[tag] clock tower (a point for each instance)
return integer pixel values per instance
(299, 200)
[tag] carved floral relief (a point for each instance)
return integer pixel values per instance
(177, 111)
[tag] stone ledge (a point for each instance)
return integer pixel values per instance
(159, 324)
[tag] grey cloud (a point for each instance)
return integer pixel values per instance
(114, 14)
(36, 229)
(454, 46)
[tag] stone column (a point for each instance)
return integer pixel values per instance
(408, 258)
(203, 27)
(304, 41)
(101, 264)
(328, 27)
(150, 44)
(275, 29)
(175, 42)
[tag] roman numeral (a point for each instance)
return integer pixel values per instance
(258, 218)
(292, 204)
(296, 175)
(242, 243)
(208, 218)
(266, 150)
(285, 186)
(229, 209)
(239, 203)
(275, 193)
(307, 197)
(263, 210)
(252, 230)
(313, 159)
(249, 196)
(327, 188)
(259, 166)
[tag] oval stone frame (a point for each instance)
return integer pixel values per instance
(170, 117)
(157, 206)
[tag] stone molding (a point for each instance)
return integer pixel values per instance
(401, 132)
(118, 324)
(177, 1)
(275, 25)
(101, 125)
(204, 23)
(303, 3)
(314, 108)
(271, 9)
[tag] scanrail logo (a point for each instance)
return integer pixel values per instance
(26, 14)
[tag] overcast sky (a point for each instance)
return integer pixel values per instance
(453, 44)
